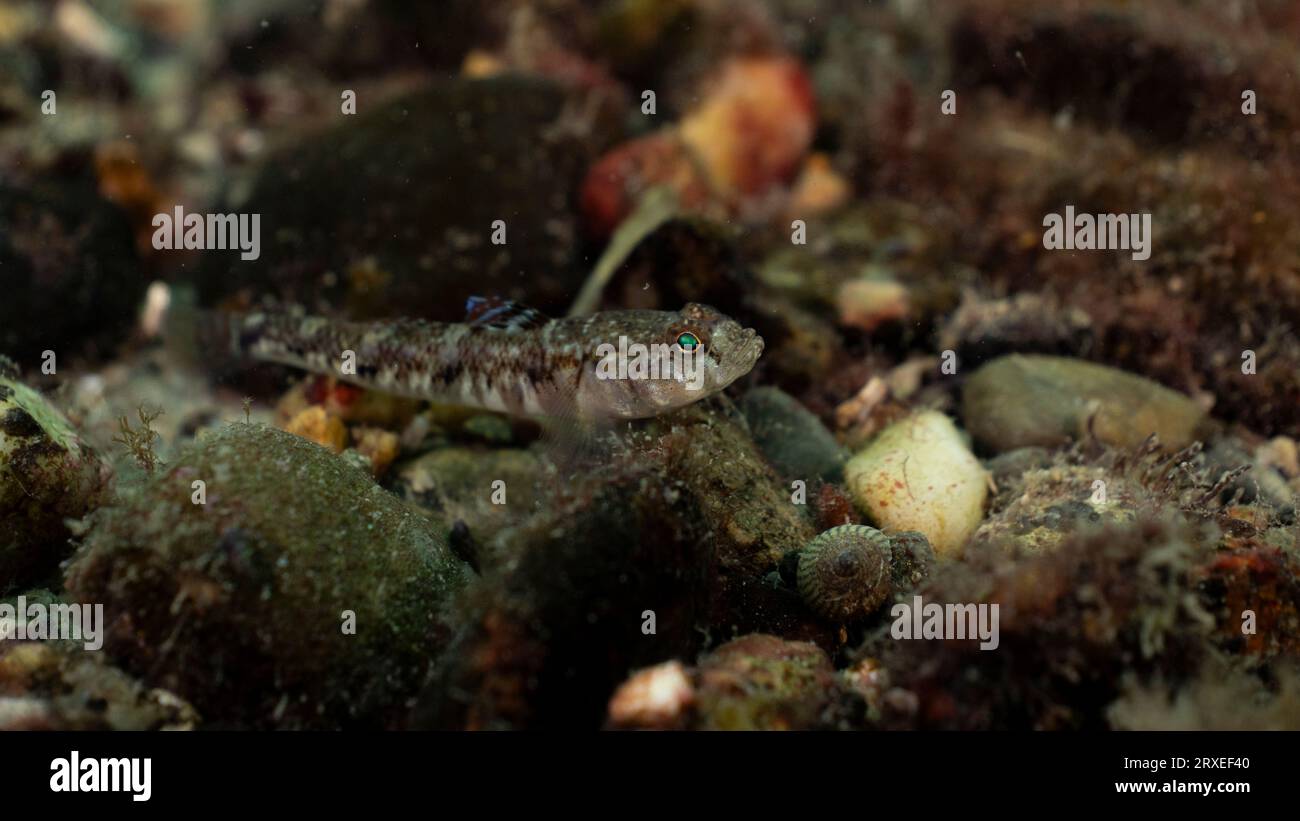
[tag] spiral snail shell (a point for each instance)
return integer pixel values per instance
(844, 573)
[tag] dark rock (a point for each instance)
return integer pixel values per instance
(68, 271)
(689, 522)
(549, 633)
(391, 213)
(794, 440)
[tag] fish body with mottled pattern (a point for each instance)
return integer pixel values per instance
(515, 361)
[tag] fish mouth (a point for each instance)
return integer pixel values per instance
(749, 349)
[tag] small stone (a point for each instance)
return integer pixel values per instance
(819, 189)
(657, 697)
(918, 474)
(755, 682)
(1043, 506)
(869, 303)
(1020, 401)
(1281, 453)
(379, 446)
(315, 425)
(792, 438)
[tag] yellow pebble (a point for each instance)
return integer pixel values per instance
(378, 445)
(318, 426)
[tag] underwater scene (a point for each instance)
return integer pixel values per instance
(583, 365)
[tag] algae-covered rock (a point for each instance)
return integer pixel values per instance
(245, 604)
(755, 682)
(911, 562)
(1110, 605)
(760, 682)
(754, 517)
(622, 565)
(614, 573)
(1048, 505)
(47, 687)
(918, 474)
(1020, 401)
(47, 476)
(459, 483)
(794, 440)
(1043, 499)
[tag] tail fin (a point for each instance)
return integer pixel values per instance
(218, 342)
(185, 330)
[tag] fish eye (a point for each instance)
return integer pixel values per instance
(688, 341)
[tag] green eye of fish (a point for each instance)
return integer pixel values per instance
(688, 341)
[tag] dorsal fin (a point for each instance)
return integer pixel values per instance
(502, 313)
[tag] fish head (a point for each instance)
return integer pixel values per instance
(652, 362)
(727, 349)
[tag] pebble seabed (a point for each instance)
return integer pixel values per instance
(992, 470)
